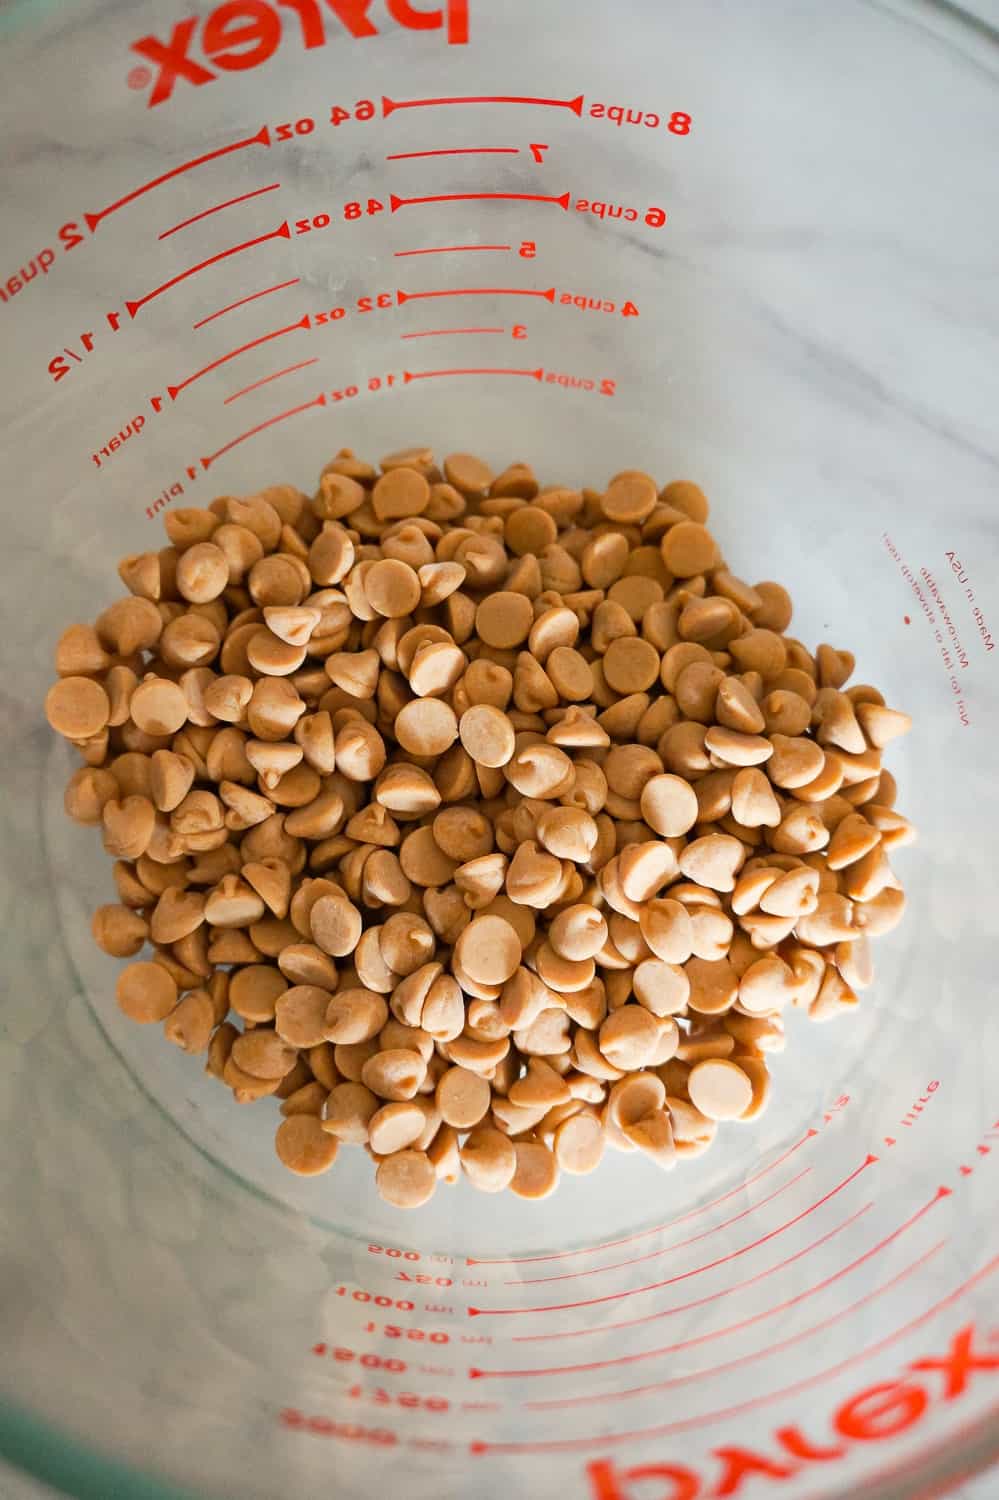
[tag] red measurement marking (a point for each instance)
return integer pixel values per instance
(262, 138)
(449, 249)
(669, 1428)
(475, 291)
(293, 411)
(284, 233)
(457, 151)
(531, 1260)
(302, 365)
(744, 1359)
(637, 1260)
(206, 213)
(669, 1312)
(243, 300)
(395, 202)
(173, 391)
(390, 105)
(408, 375)
(684, 1275)
(706, 1338)
(430, 333)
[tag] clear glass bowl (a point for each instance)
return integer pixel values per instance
(811, 269)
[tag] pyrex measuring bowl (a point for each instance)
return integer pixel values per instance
(747, 244)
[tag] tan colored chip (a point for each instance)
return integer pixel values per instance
(487, 735)
(146, 992)
(489, 950)
(406, 1179)
(536, 1174)
(77, 707)
(688, 548)
(630, 665)
(304, 1147)
(720, 1089)
(504, 817)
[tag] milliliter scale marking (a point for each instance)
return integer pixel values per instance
(798, 1448)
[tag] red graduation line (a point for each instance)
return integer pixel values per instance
(320, 400)
(449, 249)
(530, 1260)
(428, 333)
(229, 203)
(669, 1428)
(457, 151)
(284, 233)
(262, 138)
(173, 391)
(302, 365)
(390, 105)
(251, 298)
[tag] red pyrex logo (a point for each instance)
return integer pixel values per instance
(873, 1414)
(242, 34)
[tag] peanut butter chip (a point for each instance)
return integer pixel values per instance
(536, 1175)
(483, 822)
(119, 931)
(300, 1015)
(688, 548)
(504, 620)
(406, 1179)
(579, 1144)
(158, 706)
(463, 1097)
(630, 665)
(669, 805)
(426, 726)
(487, 735)
(77, 707)
(146, 992)
(688, 497)
(488, 1158)
(304, 1147)
(202, 572)
(467, 473)
(392, 588)
(630, 497)
(488, 950)
(400, 492)
(719, 1089)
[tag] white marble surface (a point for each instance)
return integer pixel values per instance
(817, 343)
